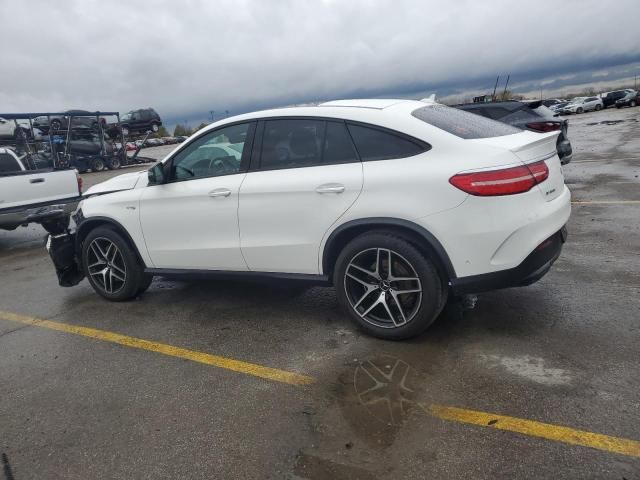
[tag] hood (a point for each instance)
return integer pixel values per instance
(126, 181)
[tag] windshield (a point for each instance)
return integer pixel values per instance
(578, 100)
(126, 116)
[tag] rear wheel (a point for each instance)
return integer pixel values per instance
(111, 266)
(579, 110)
(155, 127)
(55, 125)
(387, 286)
(598, 108)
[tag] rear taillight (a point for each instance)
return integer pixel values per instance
(506, 181)
(79, 179)
(544, 126)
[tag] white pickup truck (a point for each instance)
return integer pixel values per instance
(44, 196)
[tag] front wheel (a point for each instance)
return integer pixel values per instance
(390, 289)
(579, 110)
(154, 127)
(97, 165)
(598, 108)
(111, 266)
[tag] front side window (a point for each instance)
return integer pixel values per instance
(216, 153)
(376, 144)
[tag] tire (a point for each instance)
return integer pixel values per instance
(55, 125)
(114, 163)
(579, 110)
(154, 127)
(114, 274)
(368, 298)
(633, 103)
(97, 165)
(598, 107)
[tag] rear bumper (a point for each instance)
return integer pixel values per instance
(16, 217)
(532, 269)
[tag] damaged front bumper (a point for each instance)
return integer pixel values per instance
(62, 250)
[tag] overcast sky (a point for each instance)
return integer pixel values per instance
(188, 57)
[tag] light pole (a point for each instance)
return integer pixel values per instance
(226, 112)
(212, 112)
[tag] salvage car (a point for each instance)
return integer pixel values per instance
(399, 204)
(36, 195)
(533, 116)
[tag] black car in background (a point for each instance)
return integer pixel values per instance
(611, 98)
(532, 116)
(78, 119)
(140, 121)
(631, 99)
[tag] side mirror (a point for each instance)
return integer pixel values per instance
(156, 174)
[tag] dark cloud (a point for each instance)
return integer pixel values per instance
(186, 58)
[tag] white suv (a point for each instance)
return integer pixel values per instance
(398, 204)
(583, 104)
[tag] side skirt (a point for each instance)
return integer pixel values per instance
(321, 280)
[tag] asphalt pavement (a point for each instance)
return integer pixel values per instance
(222, 379)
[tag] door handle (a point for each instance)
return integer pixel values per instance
(36, 180)
(220, 192)
(330, 188)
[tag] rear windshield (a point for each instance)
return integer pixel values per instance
(462, 124)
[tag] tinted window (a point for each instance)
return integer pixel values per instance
(8, 163)
(462, 124)
(338, 147)
(218, 152)
(291, 143)
(375, 144)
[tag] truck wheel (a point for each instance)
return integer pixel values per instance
(387, 286)
(114, 164)
(97, 164)
(154, 127)
(111, 266)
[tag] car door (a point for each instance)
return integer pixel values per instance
(191, 220)
(305, 174)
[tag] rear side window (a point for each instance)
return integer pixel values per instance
(462, 124)
(376, 144)
(291, 143)
(338, 147)
(8, 163)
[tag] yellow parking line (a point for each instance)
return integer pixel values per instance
(206, 358)
(501, 422)
(607, 202)
(537, 429)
